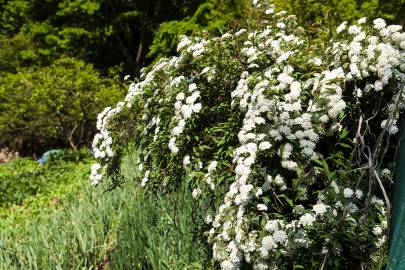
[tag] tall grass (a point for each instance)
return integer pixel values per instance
(122, 229)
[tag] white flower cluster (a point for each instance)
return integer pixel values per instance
(196, 49)
(96, 175)
(184, 108)
(292, 127)
(102, 141)
(208, 176)
(374, 55)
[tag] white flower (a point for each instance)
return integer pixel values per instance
(261, 207)
(284, 57)
(172, 146)
(285, 78)
(273, 225)
(348, 192)
(268, 243)
(289, 165)
(251, 147)
(259, 192)
(402, 45)
(295, 90)
(281, 25)
(177, 130)
(354, 30)
(212, 167)
(191, 99)
(377, 230)
(379, 23)
(95, 176)
(240, 32)
(196, 107)
(279, 236)
(359, 194)
(386, 172)
(145, 178)
(362, 20)
(392, 130)
(341, 27)
(264, 145)
(306, 220)
(180, 96)
(279, 180)
(394, 28)
(95, 167)
(184, 42)
(187, 111)
(317, 61)
(196, 192)
(186, 160)
(320, 209)
(192, 87)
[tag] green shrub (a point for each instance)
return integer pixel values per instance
(26, 187)
(44, 107)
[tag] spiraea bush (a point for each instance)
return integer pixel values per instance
(289, 142)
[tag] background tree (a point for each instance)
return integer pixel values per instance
(53, 106)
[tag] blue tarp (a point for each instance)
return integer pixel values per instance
(48, 154)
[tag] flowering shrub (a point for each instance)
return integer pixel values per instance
(291, 136)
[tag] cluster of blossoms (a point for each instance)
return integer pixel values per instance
(285, 115)
(373, 53)
(184, 108)
(102, 142)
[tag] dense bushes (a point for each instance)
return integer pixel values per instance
(26, 187)
(288, 141)
(52, 106)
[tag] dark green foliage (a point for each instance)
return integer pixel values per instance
(214, 16)
(332, 12)
(103, 32)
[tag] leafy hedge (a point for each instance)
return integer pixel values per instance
(41, 108)
(289, 141)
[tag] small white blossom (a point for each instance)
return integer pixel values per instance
(306, 220)
(196, 193)
(186, 160)
(261, 207)
(377, 230)
(348, 192)
(320, 209)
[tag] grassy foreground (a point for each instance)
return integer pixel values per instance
(93, 229)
